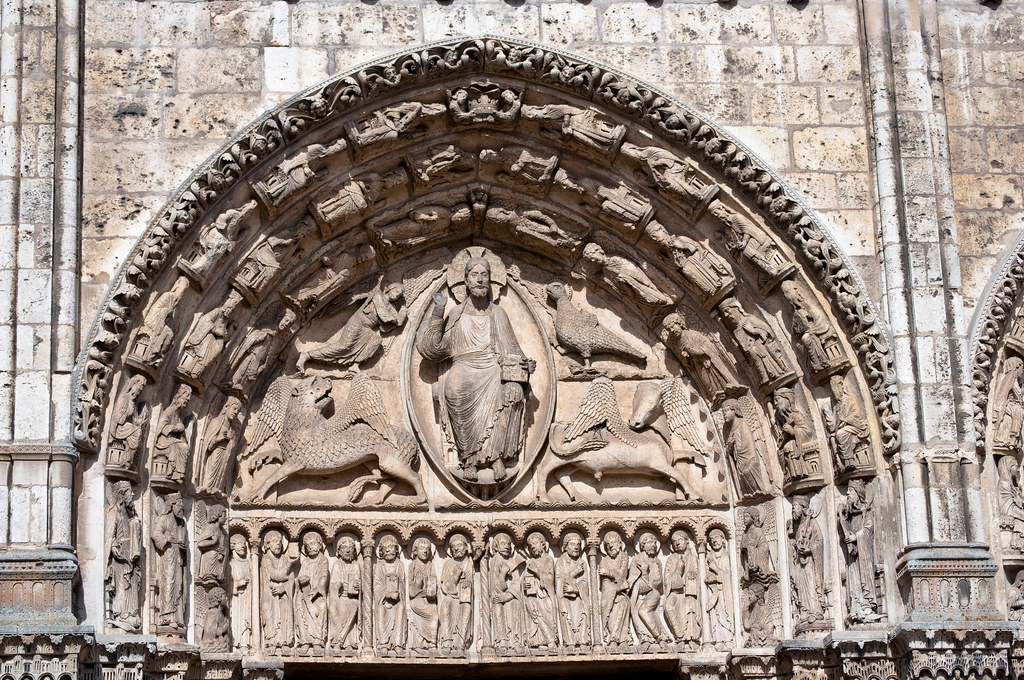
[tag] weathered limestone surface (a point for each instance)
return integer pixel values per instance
(701, 404)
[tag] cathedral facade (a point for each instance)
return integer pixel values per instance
(543, 338)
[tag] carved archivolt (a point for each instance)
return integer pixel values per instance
(488, 350)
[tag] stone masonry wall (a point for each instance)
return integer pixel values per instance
(983, 71)
(161, 98)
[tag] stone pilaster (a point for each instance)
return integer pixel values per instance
(937, 468)
(39, 209)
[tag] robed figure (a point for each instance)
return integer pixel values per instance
(482, 390)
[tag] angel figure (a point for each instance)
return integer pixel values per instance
(389, 598)
(362, 336)
(704, 356)
(626, 277)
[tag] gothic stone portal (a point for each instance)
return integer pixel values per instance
(500, 368)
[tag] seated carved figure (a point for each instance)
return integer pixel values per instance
(482, 394)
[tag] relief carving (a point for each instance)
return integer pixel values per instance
(346, 589)
(423, 591)
(487, 412)
(847, 426)
(750, 242)
(241, 592)
(389, 615)
(708, 273)
(539, 594)
(276, 583)
(156, 335)
(172, 446)
(581, 332)
(170, 540)
(1015, 598)
(520, 167)
(1011, 504)
(456, 597)
(628, 280)
(294, 173)
(420, 226)
(205, 342)
(682, 598)
(758, 575)
(258, 349)
(481, 395)
(797, 441)
(624, 210)
(1008, 407)
(355, 199)
(702, 353)
(362, 336)
(674, 177)
(360, 432)
(807, 571)
(484, 103)
(215, 243)
(759, 344)
(264, 263)
(212, 545)
(585, 129)
(329, 281)
(408, 120)
(717, 577)
(441, 164)
(216, 635)
(504, 591)
(214, 471)
(812, 328)
(752, 476)
(128, 433)
(857, 535)
(646, 583)
(562, 241)
(572, 583)
(613, 573)
(598, 441)
(311, 597)
(670, 408)
(123, 576)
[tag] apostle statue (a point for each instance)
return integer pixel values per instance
(482, 394)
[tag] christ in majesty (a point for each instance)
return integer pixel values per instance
(482, 394)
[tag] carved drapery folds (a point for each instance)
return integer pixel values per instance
(478, 300)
